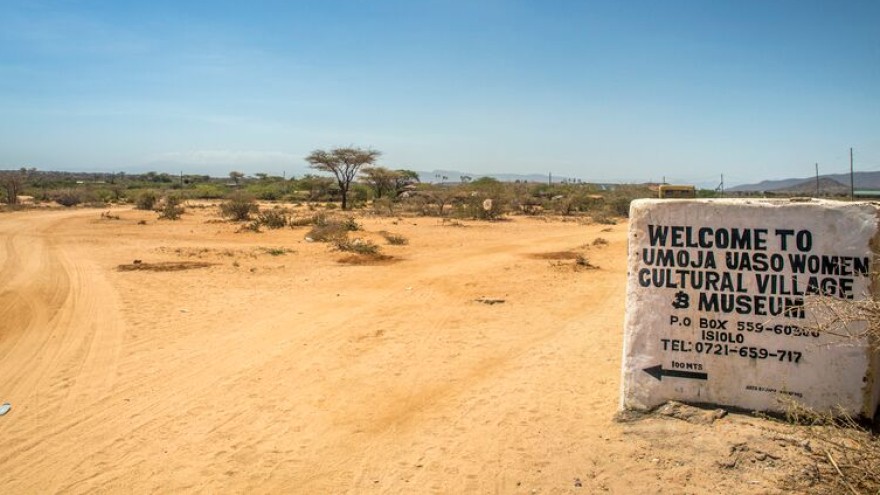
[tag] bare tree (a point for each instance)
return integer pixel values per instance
(12, 182)
(343, 163)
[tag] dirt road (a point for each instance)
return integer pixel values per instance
(278, 369)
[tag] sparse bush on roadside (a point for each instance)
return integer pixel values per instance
(320, 219)
(845, 455)
(603, 218)
(329, 232)
(582, 261)
(273, 219)
(600, 241)
(172, 208)
(383, 206)
(351, 224)
(480, 208)
(619, 206)
(252, 226)
(394, 239)
(357, 246)
(239, 207)
(146, 200)
(276, 251)
(68, 197)
(617, 203)
(301, 221)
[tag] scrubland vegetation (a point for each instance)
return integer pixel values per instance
(375, 191)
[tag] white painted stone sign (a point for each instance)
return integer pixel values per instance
(715, 304)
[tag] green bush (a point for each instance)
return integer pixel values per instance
(208, 191)
(267, 192)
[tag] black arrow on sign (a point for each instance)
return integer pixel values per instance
(658, 372)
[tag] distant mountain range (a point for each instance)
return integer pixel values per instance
(435, 176)
(828, 184)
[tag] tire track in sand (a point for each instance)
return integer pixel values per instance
(60, 334)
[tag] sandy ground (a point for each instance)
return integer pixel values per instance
(294, 373)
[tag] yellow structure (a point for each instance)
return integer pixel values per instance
(671, 191)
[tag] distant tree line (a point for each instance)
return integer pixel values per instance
(347, 177)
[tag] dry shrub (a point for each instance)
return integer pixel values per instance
(239, 207)
(329, 232)
(383, 206)
(599, 241)
(846, 455)
(252, 226)
(301, 221)
(274, 219)
(171, 208)
(68, 197)
(276, 251)
(394, 239)
(357, 246)
(165, 266)
(583, 262)
(603, 218)
(146, 200)
(847, 320)
(351, 224)
(360, 259)
(452, 223)
(555, 255)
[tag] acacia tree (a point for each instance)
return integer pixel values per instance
(389, 182)
(236, 176)
(380, 179)
(344, 164)
(404, 179)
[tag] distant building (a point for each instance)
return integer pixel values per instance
(672, 191)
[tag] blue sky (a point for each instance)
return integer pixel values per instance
(602, 91)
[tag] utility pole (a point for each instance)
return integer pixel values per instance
(550, 178)
(817, 179)
(852, 182)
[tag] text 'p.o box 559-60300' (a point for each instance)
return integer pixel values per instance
(733, 302)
